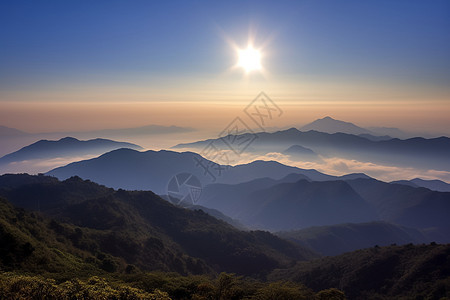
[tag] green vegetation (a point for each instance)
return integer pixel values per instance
(121, 228)
(157, 286)
(393, 272)
(91, 242)
(33, 287)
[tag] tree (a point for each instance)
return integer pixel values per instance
(331, 294)
(284, 291)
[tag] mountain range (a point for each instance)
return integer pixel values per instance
(78, 237)
(44, 150)
(271, 196)
(152, 170)
(415, 152)
(290, 203)
(12, 139)
(434, 185)
(142, 229)
(294, 203)
(408, 206)
(87, 239)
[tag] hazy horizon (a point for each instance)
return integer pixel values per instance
(79, 68)
(384, 63)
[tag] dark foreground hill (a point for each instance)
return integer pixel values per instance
(102, 243)
(141, 229)
(30, 242)
(395, 272)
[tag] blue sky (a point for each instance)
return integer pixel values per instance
(65, 50)
(41, 40)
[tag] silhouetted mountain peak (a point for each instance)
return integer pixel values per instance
(330, 125)
(298, 150)
(292, 129)
(70, 139)
(265, 163)
(295, 177)
(354, 176)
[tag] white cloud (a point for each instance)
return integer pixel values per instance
(341, 166)
(35, 166)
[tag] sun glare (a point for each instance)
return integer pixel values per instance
(249, 59)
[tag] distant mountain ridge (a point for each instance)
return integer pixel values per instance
(434, 185)
(415, 152)
(12, 139)
(152, 170)
(65, 147)
(330, 125)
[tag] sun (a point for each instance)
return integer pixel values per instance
(249, 59)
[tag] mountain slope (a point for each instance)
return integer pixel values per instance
(408, 206)
(289, 203)
(134, 170)
(337, 239)
(230, 198)
(152, 170)
(142, 229)
(281, 205)
(27, 243)
(302, 204)
(395, 272)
